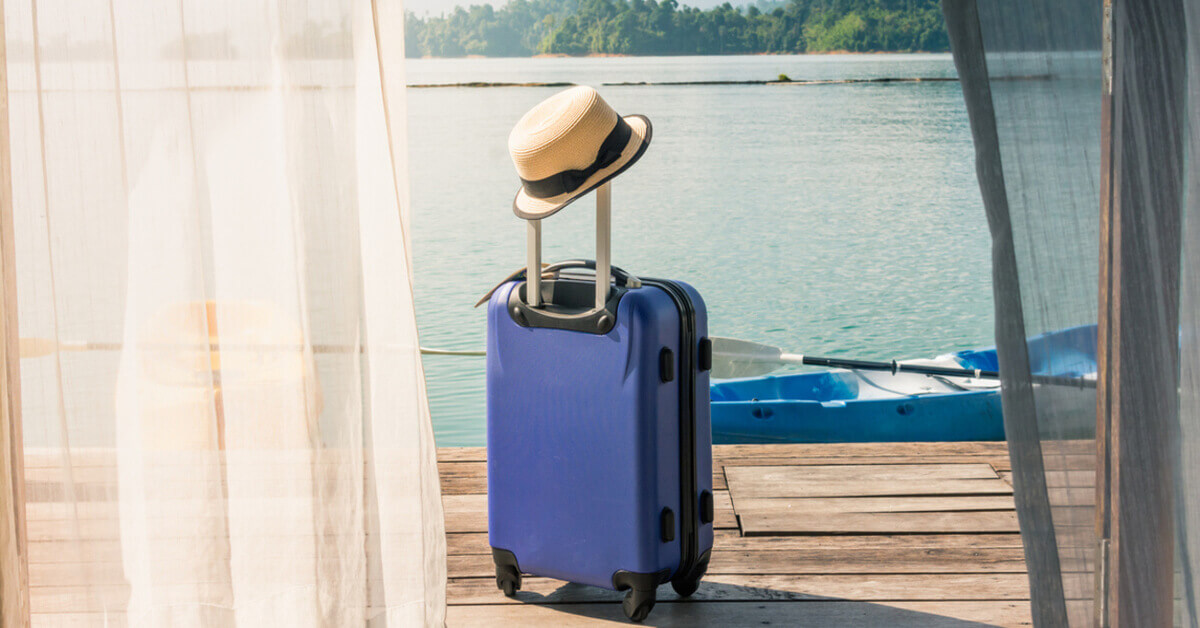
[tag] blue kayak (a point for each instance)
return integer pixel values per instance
(843, 406)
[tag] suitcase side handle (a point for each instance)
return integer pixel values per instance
(603, 263)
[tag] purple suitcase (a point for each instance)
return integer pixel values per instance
(599, 442)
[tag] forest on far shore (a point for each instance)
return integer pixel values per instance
(523, 28)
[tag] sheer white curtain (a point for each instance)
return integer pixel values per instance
(224, 409)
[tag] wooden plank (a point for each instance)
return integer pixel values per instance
(735, 453)
(827, 560)
(64, 550)
(103, 586)
(80, 620)
(470, 478)
(838, 560)
(1071, 479)
(47, 457)
(730, 540)
(794, 523)
(689, 614)
(937, 503)
(855, 460)
(912, 480)
(461, 454)
(915, 472)
(1076, 495)
(65, 577)
(749, 588)
(725, 540)
(52, 600)
(992, 448)
(996, 449)
(468, 513)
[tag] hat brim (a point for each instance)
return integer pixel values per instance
(531, 208)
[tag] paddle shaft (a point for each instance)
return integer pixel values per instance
(900, 367)
(893, 366)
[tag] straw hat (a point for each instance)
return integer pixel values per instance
(569, 145)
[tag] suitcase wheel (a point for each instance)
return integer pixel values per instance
(638, 604)
(508, 572)
(508, 579)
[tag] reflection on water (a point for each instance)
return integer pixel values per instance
(837, 219)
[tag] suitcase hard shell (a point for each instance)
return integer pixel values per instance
(599, 442)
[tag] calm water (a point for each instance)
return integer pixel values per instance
(837, 219)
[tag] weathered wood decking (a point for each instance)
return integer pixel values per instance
(917, 534)
(896, 534)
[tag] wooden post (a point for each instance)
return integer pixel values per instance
(1139, 304)
(14, 558)
(1104, 335)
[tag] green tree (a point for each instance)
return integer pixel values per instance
(654, 27)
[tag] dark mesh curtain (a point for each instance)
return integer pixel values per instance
(1086, 180)
(1031, 71)
(1188, 470)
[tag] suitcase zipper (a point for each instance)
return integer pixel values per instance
(690, 518)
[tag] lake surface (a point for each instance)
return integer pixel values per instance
(840, 220)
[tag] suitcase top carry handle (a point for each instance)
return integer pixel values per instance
(619, 276)
(603, 263)
(552, 271)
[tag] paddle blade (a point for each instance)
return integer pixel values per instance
(741, 358)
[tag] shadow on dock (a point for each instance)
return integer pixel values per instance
(739, 606)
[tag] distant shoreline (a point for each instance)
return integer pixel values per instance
(903, 79)
(800, 83)
(603, 55)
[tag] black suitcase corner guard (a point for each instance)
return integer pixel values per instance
(640, 591)
(623, 580)
(686, 584)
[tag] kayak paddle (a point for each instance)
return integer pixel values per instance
(742, 358)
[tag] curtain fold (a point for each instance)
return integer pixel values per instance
(1020, 407)
(1089, 152)
(1031, 74)
(1187, 455)
(225, 413)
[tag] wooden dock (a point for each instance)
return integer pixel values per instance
(898, 534)
(878, 534)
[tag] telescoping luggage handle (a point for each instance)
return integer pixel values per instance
(603, 264)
